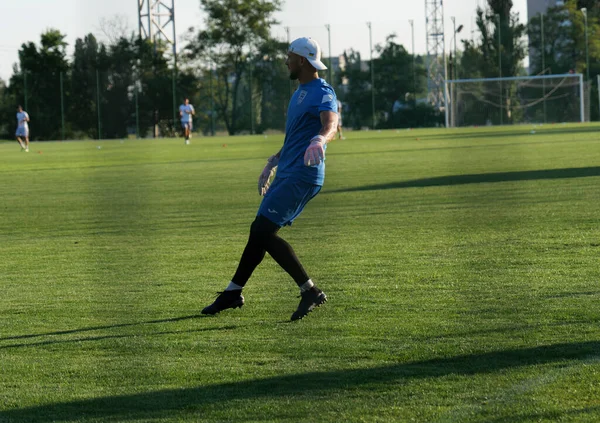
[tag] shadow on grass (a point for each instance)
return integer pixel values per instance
(450, 180)
(157, 404)
(518, 131)
(547, 416)
(487, 133)
(106, 337)
(93, 328)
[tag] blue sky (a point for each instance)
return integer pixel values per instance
(25, 21)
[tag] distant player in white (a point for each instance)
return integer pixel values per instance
(339, 125)
(22, 129)
(186, 111)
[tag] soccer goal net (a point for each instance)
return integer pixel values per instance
(515, 100)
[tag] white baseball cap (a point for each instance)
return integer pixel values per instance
(309, 49)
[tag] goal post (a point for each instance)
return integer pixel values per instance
(515, 100)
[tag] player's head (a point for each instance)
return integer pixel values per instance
(304, 56)
(186, 101)
(19, 108)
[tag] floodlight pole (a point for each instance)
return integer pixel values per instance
(372, 74)
(98, 103)
(330, 63)
(174, 73)
(62, 106)
(25, 88)
(587, 56)
(212, 100)
(599, 96)
(543, 64)
(454, 64)
(500, 68)
(287, 30)
(414, 78)
(581, 101)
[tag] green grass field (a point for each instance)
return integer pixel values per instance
(462, 269)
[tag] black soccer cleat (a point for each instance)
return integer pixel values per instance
(225, 300)
(311, 299)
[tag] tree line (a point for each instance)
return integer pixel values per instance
(234, 72)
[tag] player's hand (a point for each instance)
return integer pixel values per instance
(264, 180)
(315, 153)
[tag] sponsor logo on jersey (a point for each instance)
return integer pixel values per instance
(302, 96)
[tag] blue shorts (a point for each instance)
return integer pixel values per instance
(185, 125)
(286, 199)
(22, 132)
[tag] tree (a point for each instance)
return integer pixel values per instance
(563, 47)
(89, 57)
(354, 89)
(564, 40)
(235, 31)
(5, 113)
(270, 87)
(36, 81)
(499, 52)
(394, 85)
(394, 78)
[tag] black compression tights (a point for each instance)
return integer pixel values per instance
(264, 239)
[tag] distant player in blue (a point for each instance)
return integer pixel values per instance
(186, 113)
(22, 133)
(300, 164)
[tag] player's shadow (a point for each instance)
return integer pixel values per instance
(450, 180)
(320, 385)
(98, 328)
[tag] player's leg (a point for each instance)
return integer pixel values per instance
(183, 134)
(27, 141)
(253, 254)
(263, 238)
(187, 133)
(284, 202)
(283, 253)
(19, 134)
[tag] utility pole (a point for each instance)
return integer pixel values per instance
(543, 64)
(500, 68)
(372, 73)
(330, 77)
(414, 75)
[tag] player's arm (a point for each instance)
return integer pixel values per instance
(315, 153)
(193, 111)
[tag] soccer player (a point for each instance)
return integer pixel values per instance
(339, 125)
(186, 111)
(311, 124)
(22, 129)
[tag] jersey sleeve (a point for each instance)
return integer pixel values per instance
(328, 100)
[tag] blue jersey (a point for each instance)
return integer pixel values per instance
(303, 123)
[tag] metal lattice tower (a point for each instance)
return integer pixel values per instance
(436, 53)
(157, 23)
